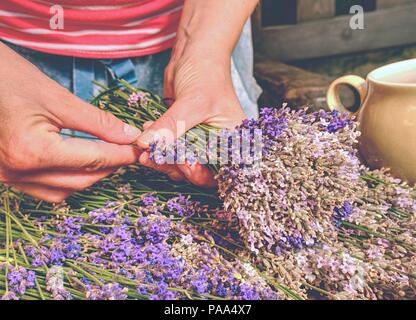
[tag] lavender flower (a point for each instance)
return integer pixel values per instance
(149, 200)
(110, 291)
(182, 206)
(20, 279)
(342, 213)
(136, 98)
(55, 284)
(151, 250)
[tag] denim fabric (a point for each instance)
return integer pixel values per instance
(248, 91)
(77, 74)
(148, 70)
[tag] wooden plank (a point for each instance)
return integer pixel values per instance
(383, 28)
(343, 6)
(383, 4)
(278, 13)
(309, 10)
(283, 83)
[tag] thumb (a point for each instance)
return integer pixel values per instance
(84, 117)
(172, 124)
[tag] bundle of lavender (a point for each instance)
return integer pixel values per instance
(371, 257)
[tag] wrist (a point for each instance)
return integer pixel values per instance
(200, 51)
(192, 41)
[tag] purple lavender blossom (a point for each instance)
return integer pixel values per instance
(342, 213)
(153, 230)
(107, 215)
(333, 121)
(149, 200)
(20, 279)
(110, 291)
(200, 283)
(181, 205)
(152, 250)
(70, 226)
(136, 98)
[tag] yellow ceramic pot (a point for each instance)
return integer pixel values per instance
(387, 116)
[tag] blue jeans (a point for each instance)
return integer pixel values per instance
(77, 74)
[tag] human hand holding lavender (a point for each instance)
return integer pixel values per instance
(198, 78)
(200, 98)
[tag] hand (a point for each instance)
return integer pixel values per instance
(34, 157)
(203, 93)
(198, 78)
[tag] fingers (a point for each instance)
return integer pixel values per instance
(86, 155)
(147, 124)
(171, 125)
(48, 194)
(168, 91)
(84, 117)
(198, 175)
(169, 169)
(69, 180)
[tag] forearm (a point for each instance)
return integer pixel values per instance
(19, 74)
(211, 28)
(11, 63)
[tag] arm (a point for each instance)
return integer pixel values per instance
(210, 29)
(34, 157)
(198, 77)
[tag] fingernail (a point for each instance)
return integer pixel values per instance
(146, 138)
(187, 169)
(131, 131)
(193, 164)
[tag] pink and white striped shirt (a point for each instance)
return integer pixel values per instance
(92, 28)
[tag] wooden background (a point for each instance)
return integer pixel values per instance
(289, 30)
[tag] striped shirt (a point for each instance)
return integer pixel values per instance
(91, 28)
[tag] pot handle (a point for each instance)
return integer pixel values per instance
(333, 96)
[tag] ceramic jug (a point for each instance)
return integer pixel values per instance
(386, 116)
